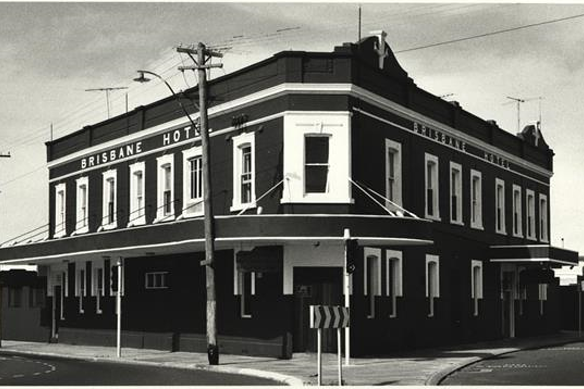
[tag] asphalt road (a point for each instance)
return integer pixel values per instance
(32, 370)
(561, 365)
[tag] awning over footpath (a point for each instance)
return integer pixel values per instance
(545, 255)
(186, 236)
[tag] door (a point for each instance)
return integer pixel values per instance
(315, 286)
(509, 281)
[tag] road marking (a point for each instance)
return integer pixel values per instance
(515, 366)
(17, 376)
(37, 373)
(47, 371)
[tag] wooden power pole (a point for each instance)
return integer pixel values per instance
(203, 54)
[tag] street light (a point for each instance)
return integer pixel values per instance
(143, 79)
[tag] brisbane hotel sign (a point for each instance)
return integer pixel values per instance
(136, 148)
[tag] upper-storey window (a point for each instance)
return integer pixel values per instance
(543, 218)
(82, 203)
(109, 211)
(137, 201)
(165, 202)
(500, 206)
(476, 199)
(432, 204)
(243, 171)
(317, 162)
(393, 174)
(530, 224)
(192, 182)
(60, 211)
(517, 212)
(455, 193)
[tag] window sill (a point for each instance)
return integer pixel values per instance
(107, 227)
(435, 218)
(246, 316)
(502, 232)
(137, 222)
(520, 235)
(457, 223)
(240, 207)
(477, 227)
(162, 219)
(80, 231)
(188, 215)
(533, 238)
(59, 235)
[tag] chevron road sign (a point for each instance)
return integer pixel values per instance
(329, 316)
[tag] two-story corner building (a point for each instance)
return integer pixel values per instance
(451, 215)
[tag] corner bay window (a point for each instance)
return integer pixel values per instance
(316, 163)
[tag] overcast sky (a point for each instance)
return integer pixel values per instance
(51, 52)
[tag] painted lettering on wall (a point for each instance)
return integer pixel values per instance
(133, 149)
(112, 155)
(459, 144)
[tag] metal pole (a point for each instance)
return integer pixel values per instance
(340, 365)
(119, 309)
(346, 237)
(580, 308)
(212, 347)
(319, 356)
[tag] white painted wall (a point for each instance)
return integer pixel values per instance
(309, 255)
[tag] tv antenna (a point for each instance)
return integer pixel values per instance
(520, 101)
(107, 92)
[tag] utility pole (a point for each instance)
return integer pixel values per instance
(520, 101)
(203, 55)
(107, 92)
(2, 155)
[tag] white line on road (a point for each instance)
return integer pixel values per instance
(17, 376)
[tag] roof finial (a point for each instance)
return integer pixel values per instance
(381, 48)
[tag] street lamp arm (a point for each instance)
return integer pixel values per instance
(143, 79)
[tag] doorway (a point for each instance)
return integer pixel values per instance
(315, 286)
(509, 281)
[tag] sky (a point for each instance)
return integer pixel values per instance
(52, 52)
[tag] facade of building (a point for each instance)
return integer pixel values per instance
(450, 212)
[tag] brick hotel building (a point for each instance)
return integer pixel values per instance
(450, 212)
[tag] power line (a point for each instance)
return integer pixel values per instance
(490, 33)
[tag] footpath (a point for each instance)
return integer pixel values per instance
(419, 367)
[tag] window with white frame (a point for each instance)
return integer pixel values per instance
(500, 206)
(432, 282)
(109, 218)
(137, 200)
(82, 206)
(317, 170)
(80, 284)
(476, 199)
(543, 218)
(60, 211)
(455, 193)
(98, 284)
(244, 286)
(243, 171)
(543, 296)
(316, 163)
(165, 183)
(372, 278)
(530, 222)
(393, 279)
(156, 280)
(192, 182)
(393, 174)
(517, 212)
(476, 290)
(431, 176)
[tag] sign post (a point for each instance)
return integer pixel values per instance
(328, 316)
